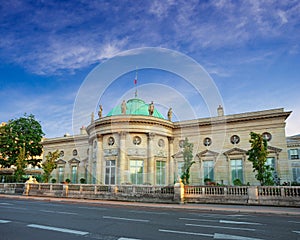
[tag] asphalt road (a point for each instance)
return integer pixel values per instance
(22, 219)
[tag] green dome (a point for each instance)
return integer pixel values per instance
(135, 106)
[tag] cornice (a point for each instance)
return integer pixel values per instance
(67, 139)
(234, 118)
(130, 120)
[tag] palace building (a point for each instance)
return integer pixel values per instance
(135, 144)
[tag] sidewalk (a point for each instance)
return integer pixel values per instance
(204, 207)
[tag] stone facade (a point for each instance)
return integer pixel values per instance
(135, 148)
(293, 145)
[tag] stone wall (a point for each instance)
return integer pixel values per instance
(244, 195)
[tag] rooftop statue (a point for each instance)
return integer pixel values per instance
(151, 108)
(170, 114)
(123, 107)
(100, 111)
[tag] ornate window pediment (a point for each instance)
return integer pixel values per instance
(235, 151)
(178, 155)
(207, 153)
(274, 149)
(74, 161)
(60, 161)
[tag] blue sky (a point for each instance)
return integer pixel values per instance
(251, 50)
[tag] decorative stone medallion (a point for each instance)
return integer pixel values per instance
(235, 139)
(207, 141)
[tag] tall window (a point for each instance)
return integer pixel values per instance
(294, 154)
(94, 172)
(160, 173)
(208, 169)
(179, 169)
(74, 174)
(136, 171)
(236, 169)
(60, 174)
(296, 174)
(271, 162)
(110, 172)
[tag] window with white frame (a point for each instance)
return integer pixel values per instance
(294, 153)
(160, 172)
(110, 172)
(208, 169)
(136, 171)
(61, 173)
(74, 174)
(236, 166)
(296, 174)
(271, 162)
(180, 169)
(94, 172)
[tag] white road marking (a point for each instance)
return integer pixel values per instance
(297, 232)
(68, 213)
(93, 208)
(4, 221)
(233, 237)
(220, 221)
(4, 203)
(186, 233)
(126, 219)
(213, 226)
(16, 208)
(64, 230)
(234, 222)
(127, 238)
(145, 212)
(293, 222)
(214, 236)
(199, 220)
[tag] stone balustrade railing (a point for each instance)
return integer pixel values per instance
(255, 195)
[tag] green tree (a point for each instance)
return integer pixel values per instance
(20, 164)
(188, 161)
(258, 156)
(49, 165)
(24, 132)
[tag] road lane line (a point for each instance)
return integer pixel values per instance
(127, 238)
(4, 203)
(293, 221)
(199, 220)
(16, 208)
(4, 221)
(68, 213)
(233, 237)
(64, 230)
(186, 233)
(93, 208)
(297, 232)
(126, 219)
(234, 222)
(220, 221)
(146, 212)
(213, 226)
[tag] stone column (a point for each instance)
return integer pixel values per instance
(171, 160)
(121, 164)
(99, 171)
(151, 160)
(90, 162)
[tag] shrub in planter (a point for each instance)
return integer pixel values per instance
(82, 180)
(67, 180)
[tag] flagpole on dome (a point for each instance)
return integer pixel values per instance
(135, 82)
